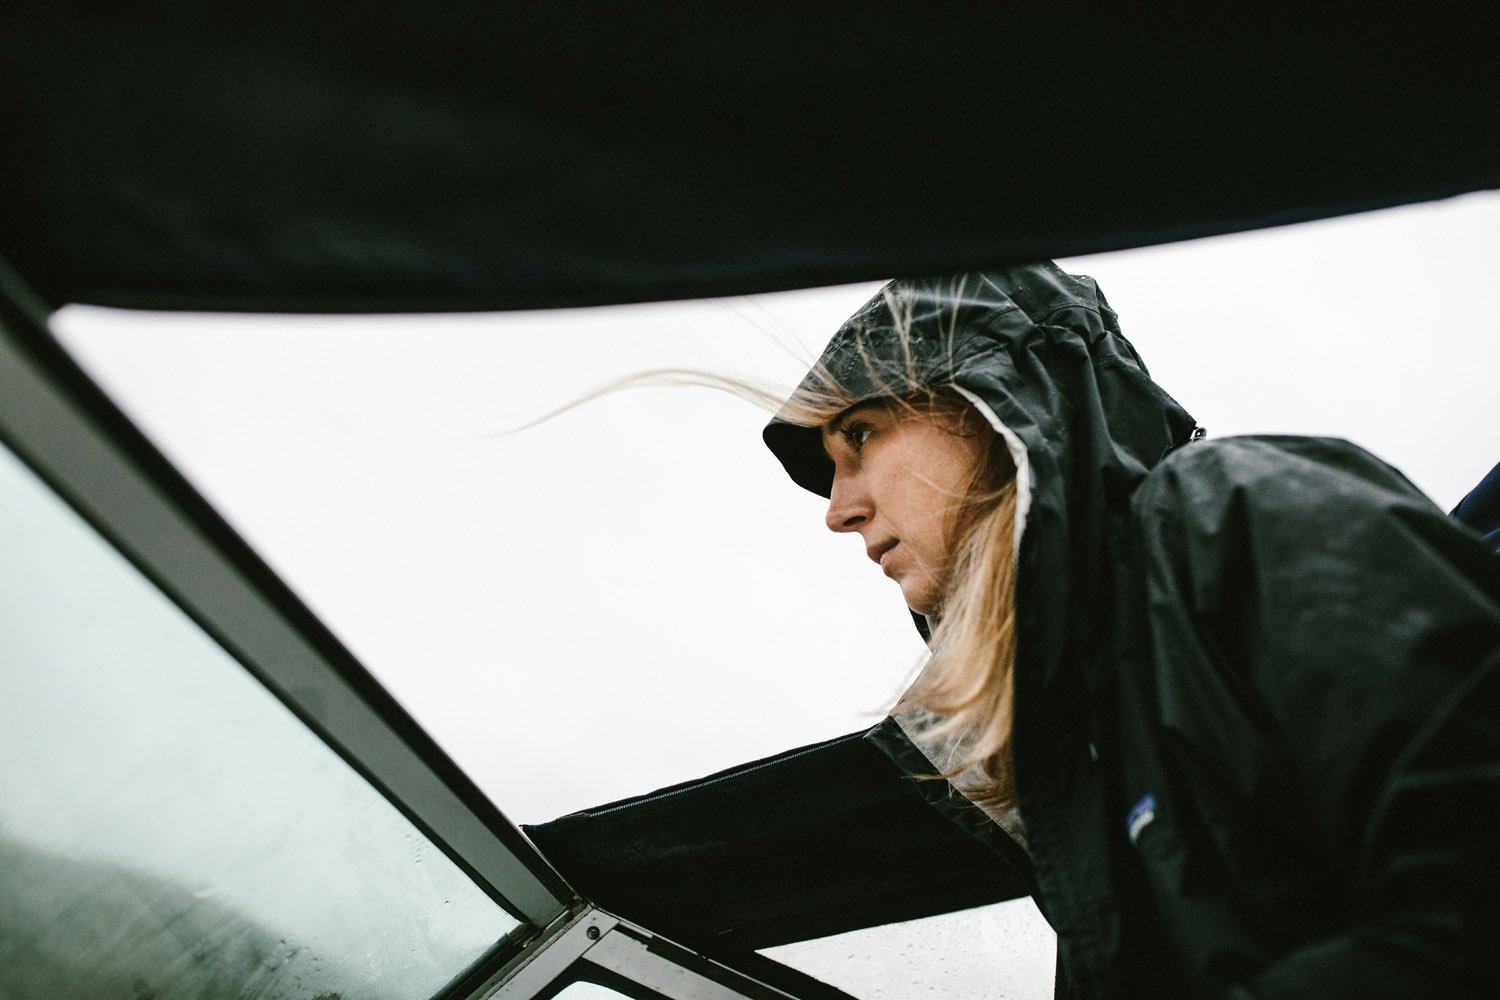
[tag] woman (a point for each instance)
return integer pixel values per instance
(1240, 699)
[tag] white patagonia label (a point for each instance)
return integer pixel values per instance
(1141, 815)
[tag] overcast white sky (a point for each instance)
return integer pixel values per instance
(633, 594)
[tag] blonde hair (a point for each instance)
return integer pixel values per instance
(964, 698)
(968, 687)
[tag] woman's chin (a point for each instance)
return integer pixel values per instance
(920, 601)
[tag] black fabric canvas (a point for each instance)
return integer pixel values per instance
(296, 156)
(823, 839)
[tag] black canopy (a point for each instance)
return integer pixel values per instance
(304, 155)
(820, 840)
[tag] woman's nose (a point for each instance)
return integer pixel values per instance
(848, 506)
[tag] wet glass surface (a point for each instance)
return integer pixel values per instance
(1000, 952)
(167, 827)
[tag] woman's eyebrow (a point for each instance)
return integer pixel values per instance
(836, 425)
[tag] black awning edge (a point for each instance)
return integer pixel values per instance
(820, 840)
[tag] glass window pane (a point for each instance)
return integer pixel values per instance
(170, 829)
(1001, 952)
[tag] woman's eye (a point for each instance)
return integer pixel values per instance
(857, 435)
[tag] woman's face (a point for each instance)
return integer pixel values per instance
(899, 477)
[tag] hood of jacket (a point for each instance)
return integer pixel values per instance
(1040, 353)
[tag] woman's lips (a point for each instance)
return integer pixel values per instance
(881, 553)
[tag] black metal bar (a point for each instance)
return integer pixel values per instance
(69, 432)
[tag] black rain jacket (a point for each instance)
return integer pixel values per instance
(1257, 738)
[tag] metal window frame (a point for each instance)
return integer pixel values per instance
(660, 966)
(72, 436)
(592, 940)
